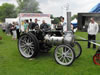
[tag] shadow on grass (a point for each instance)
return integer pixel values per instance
(49, 54)
(45, 55)
(1, 42)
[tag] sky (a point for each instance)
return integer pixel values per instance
(58, 7)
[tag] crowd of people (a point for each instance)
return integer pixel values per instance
(30, 26)
(14, 28)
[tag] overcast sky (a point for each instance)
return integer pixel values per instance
(57, 7)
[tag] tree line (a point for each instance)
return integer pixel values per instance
(8, 10)
(24, 6)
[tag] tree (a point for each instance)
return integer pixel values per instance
(73, 17)
(51, 16)
(56, 20)
(28, 6)
(7, 11)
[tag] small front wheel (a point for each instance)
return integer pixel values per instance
(64, 55)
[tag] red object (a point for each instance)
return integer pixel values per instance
(96, 59)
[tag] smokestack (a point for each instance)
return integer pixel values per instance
(69, 21)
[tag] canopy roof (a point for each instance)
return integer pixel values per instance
(74, 21)
(96, 9)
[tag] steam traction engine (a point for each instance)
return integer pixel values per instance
(67, 50)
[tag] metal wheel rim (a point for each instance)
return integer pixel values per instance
(66, 56)
(26, 46)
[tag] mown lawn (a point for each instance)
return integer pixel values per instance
(12, 63)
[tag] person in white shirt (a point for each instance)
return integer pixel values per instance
(92, 31)
(64, 24)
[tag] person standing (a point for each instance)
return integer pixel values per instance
(10, 25)
(35, 25)
(26, 24)
(13, 28)
(44, 25)
(92, 31)
(30, 25)
(3, 28)
(17, 30)
(8, 30)
(72, 27)
(64, 24)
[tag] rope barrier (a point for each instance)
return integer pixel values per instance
(92, 41)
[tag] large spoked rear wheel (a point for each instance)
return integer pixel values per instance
(78, 50)
(64, 55)
(28, 45)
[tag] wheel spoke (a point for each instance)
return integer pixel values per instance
(67, 51)
(22, 40)
(30, 51)
(69, 57)
(59, 53)
(32, 47)
(22, 46)
(65, 59)
(25, 51)
(60, 58)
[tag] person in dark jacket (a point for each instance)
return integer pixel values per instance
(35, 24)
(44, 25)
(17, 30)
(30, 25)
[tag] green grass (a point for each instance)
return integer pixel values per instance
(12, 63)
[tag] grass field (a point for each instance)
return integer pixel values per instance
(12, 63)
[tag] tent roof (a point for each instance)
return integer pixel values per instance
(96, 9)
(74, 21)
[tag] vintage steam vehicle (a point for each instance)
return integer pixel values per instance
(66, 51)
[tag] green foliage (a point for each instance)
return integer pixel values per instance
(73, 17)
(56, 20)
(28, 6)
(51, 17)
(7, 11)
(24, 6)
